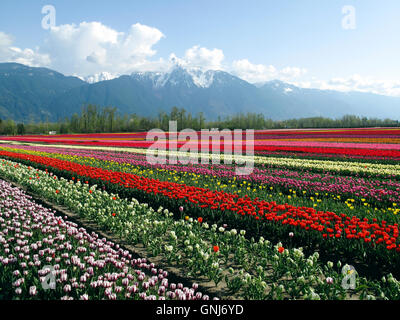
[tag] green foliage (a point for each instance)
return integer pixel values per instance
(95, 119)
(20, 129)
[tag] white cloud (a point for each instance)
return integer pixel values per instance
(200, 57)
(91, 48)
(292, 72)
(260, 73)
(253, 72)
(203, 57)
(5, 40)
(354, 82)
(10, 53)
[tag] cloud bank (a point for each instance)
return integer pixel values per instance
(91, 47)
(200, 57)
(354, 82)
(254, 73)
(27, 56)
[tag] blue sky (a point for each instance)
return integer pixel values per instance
(300, 41)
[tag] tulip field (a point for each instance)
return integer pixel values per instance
(317, 218)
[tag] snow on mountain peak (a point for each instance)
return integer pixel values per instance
(102, 76)
(202, 79)
(191, 77)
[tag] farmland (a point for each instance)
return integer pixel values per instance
(317, 218)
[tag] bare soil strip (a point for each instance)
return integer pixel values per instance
(138, 251)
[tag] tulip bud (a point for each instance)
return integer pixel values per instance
(329, 280)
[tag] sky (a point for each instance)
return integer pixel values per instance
(331, 44)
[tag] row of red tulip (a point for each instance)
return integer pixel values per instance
(329, 224)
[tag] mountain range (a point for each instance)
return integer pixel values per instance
(34, 94)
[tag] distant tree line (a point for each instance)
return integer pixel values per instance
(94, 119)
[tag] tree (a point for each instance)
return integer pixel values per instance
(74, 123)
(10, 128)
(20, 129)
(201, 120)
(63, 128)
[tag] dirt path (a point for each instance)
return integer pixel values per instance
(176, 275)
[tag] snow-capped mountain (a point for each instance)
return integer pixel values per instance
(202, 79)
(40, 93)
(177, 76)
(102, 76)
(278, 86)
(188, 77)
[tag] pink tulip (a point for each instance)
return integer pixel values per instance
(32, 291)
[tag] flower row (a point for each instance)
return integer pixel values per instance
(262, 270)
(375, 189)
(44, 256)
(379, 235)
